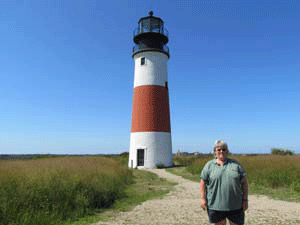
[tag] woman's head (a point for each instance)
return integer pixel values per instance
(221, 149)
(220, 144)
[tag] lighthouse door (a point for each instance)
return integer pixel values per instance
(140, 157)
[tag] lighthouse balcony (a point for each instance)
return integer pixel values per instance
(139, 48)
(159, 34)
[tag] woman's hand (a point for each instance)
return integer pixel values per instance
(244, 184)
(202, 193)
(245, 204)
(203, 203)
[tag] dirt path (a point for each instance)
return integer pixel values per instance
(182, 206)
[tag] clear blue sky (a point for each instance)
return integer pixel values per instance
(66, 74)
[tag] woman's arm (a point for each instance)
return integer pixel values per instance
(244, 184)
(203, 194)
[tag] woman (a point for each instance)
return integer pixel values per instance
(224, 188)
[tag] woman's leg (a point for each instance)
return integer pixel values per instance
(236, 217)
(231, 223)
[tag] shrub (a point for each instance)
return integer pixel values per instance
(281, 151)
(160, 166)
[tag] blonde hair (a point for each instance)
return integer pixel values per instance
(222, 144)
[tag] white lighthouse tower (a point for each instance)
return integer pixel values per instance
(150, 138)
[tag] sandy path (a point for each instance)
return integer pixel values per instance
(182, 206)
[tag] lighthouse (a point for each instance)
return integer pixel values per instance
(150, 137)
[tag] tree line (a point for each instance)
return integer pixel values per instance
(281, 151)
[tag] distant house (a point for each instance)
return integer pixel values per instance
(179, 153)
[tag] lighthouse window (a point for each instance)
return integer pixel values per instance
(143, 61)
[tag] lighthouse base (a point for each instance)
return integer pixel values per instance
(150, 149)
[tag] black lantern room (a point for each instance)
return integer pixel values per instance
(150, 35)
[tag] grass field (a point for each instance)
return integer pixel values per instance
(65, 189)
(77, 190)
(275, 175)
(55, 190)
(146, 186)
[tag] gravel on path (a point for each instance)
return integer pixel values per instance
(182, 206)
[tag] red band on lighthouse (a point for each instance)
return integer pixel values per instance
(150, 110)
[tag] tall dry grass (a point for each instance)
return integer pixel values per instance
(54, 190)
(267, 171)
(273, 171)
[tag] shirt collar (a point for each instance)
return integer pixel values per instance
(227, 160)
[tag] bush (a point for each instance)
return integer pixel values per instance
(160, 166)
(281, 151)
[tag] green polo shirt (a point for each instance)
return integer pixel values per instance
(223, 185)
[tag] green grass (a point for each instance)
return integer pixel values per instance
(183, 172)
(146, 186)
(56, 190)
(276, 176)
(72, 190)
